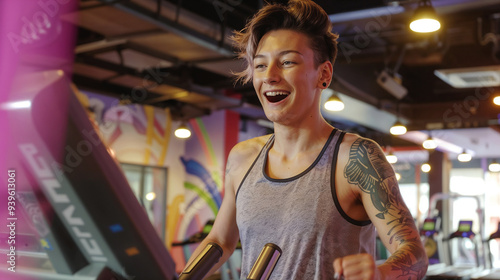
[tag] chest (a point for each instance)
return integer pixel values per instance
(305, 199)
(278, 167)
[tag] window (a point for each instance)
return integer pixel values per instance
(149, 184)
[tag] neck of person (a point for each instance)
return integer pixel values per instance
(302, 137)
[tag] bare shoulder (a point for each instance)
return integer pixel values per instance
(241, 157)
(352, 143)
(349, 144)
(248, 148)
(358, 152)
(350, 138)
(362, 165)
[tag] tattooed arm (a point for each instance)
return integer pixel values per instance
(372, 178)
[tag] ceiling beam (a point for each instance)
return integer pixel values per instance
(174, 27)
(99, 46)
(152, 52)
(123, 93)
(101, 63)
(164, 79)
(180, 110)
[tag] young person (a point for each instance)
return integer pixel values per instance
(318, 193)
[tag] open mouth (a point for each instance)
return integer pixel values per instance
(276, 96)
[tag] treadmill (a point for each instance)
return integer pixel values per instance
(453, 270)
(72, 214)
(76, 216)
(493, 273)
(441, 263)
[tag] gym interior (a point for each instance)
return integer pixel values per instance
(117, 117)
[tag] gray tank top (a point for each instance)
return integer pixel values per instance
(301, 215)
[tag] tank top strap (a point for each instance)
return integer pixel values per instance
(333, 185)
(262, 153)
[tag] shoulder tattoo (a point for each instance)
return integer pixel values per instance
(369, 170)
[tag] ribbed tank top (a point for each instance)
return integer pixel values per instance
(301, 215)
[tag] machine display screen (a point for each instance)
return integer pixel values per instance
(429, 224)
(465, 226)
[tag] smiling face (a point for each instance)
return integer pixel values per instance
(285, 78)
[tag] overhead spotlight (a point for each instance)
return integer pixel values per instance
(464, 157)
(398, 128)
(391, 158)
(151, 196)
(334, 103)
(496, 100)
(426, 167)
(425, 19)
(494, 166)
(429, 143)
(182, 131)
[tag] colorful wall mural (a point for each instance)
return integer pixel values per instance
(203, 163)
(144, 135)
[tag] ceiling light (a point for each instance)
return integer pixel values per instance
(429, 143)
(425, 19)
(464, 157)
(391, 158)
(398, 128)
(151, 196)
(182, 131)
(334, 103)
(426, 167)
(494, 166)
(425, 25)
(496, 100)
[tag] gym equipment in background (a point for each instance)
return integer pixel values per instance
(431, 239)
(442, 264)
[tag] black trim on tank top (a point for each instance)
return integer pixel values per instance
(271, 138)
(301, 173)
(334, 191)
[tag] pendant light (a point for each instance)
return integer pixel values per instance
(398, 128)
(494, 166)
(424, 19)
(182, 131)
(426, 167)
(334, 103)
(391, 158)
(464, 157)
(429, 143)
(496, 100)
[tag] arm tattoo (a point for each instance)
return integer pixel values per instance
(369, 170)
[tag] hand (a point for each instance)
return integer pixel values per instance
(354, 267)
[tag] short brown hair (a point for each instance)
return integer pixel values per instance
(303, 16)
